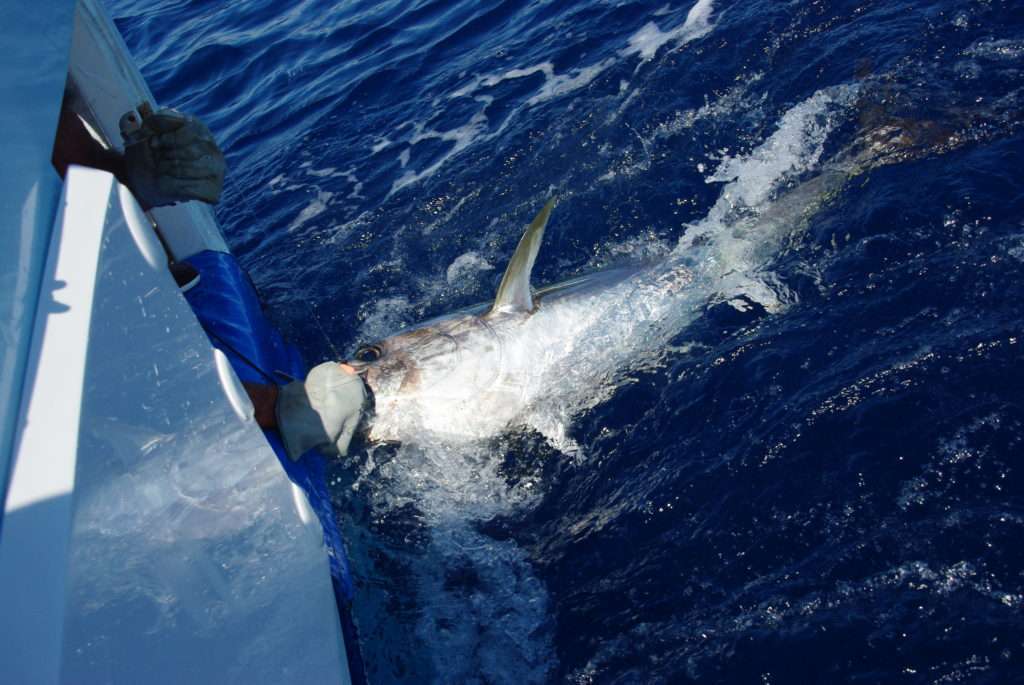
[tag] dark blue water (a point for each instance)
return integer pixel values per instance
(818, 477)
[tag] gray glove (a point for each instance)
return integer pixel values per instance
(170, 157)
(321, 412)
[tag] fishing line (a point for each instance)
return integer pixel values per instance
(316, 318)
(231, 348)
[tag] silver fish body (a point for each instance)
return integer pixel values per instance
(539, 357)
(471, 374)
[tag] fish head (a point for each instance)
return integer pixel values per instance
(395, 365)
(447, 377)
(428, 377)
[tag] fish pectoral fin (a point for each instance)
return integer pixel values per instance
(514, 292)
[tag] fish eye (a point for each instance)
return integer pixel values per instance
(368, 353)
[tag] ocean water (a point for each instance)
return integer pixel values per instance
(792, 456)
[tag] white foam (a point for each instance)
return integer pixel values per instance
(997, 49)
(445, 216)
(644, 43)
(734, 100)
(747, 225)
(477, 129)
(466, 265)
(365, 219)
(498, 626)
(314, 209)
(649, 39)
(280, 184)
(557, 85)
(795, 147)
(461, 137)
(554, 85)
(320, 173)
(481, 608)
(357, 185)
(491, 80)
(384, 316)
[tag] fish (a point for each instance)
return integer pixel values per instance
(536, 358)
(476, 372)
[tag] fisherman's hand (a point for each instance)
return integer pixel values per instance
(171, 157)
(322, 412)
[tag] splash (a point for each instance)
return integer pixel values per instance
(583, 347)
(466, 265)
(481, 606)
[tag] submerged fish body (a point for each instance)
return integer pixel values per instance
(433, 376)
(538, 357)
(472, 374)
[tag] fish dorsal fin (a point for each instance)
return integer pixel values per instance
(514, 291)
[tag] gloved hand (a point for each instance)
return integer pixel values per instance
(170, 157)
(322, 412)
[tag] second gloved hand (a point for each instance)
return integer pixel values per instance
(322, 412)
(171, 157)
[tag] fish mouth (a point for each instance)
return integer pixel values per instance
(368, 377)
(364, 431)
